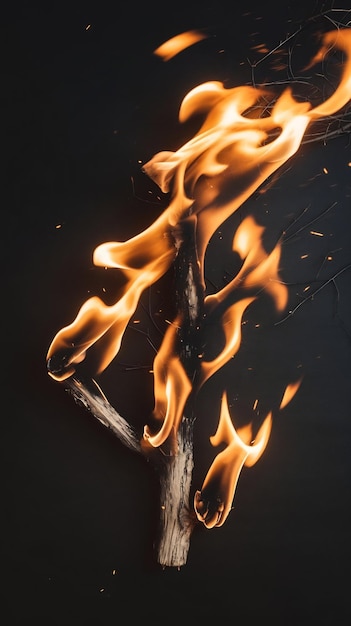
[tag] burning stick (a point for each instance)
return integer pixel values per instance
(208, 178)
(175, 472)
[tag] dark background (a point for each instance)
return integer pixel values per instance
(82, 109)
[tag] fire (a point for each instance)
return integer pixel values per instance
(259, 269)
(289, 393)
(238, 146)
(223, 474)
(178, 43)
(172, 388)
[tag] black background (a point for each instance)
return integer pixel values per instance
(82, 109)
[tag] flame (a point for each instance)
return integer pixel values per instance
(289, 393)
(259, 269)
(214, 502)
(231, 323)
(143, 259)
(210, 177)
(176, 44)
(172, 388)
(238, 146)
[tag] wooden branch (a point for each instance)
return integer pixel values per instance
(189, 298)
(175, 469)
(174, 472)
(102, 410)
(176, 519)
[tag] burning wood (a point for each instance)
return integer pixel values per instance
(238, 146)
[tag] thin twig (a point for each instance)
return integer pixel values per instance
(311, 296)
(315, 219)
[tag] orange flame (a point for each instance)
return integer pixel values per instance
(289, 393)
(210, 177)
(238, 146)
(221, 480)
(172, 388)
(232, 330)
(259, 268)
(176, 44)
(214, 502)
(143, 263)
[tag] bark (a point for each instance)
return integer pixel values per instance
(177, 520)
(102, 410)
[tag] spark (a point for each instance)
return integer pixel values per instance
(315, 232)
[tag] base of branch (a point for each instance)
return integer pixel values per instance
(177, 520)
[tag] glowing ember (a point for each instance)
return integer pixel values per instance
(239, 145)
